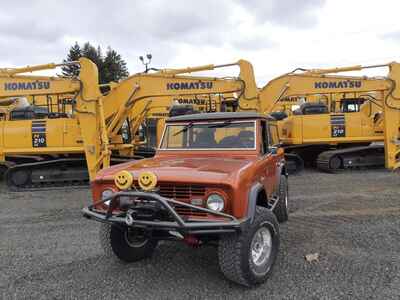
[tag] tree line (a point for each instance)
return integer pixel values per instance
(110, 64)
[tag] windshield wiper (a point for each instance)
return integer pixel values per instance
(226, 123)
(184, 129)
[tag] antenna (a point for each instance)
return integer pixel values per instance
(146, 63)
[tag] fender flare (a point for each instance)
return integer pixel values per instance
(252, 200)
(280, 170)
(257, 187)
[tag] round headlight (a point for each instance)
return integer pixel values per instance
(215, 202)
(106, 194)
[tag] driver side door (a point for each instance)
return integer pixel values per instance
(269, 158)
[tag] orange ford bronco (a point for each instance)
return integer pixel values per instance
(217, 178)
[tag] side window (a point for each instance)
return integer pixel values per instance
(264, 137)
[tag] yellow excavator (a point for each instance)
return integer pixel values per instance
(96, 125)
(339, 118)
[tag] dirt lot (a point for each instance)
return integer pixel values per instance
(48, 251)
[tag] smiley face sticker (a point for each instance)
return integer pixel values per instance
(147, 181)
(123, 180)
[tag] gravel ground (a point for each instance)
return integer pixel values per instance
(48, 251)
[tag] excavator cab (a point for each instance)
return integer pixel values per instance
(353, 105)
(310, 108)
(30, 112)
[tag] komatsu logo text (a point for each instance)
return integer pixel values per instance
(344, 84)
(190, 85)
(291, 99)
(34, 85)
(191, 101)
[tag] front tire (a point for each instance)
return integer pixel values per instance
(127, 244)
(247, 258)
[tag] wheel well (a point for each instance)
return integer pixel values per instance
(262, 199)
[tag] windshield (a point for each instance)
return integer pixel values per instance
(215, 135)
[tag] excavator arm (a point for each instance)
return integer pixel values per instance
(13, 84)
(283, 89)
(391, 114)
(20, 85)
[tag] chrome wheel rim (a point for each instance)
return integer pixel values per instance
(134, 239)
(261, 246)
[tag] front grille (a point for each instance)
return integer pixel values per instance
(187, 211)
(182, 192)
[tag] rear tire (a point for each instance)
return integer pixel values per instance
(3, 170)
(127, 244)
(281, 208)
(294, 163)
(247, 258)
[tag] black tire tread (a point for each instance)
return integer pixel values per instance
(230, 251)
(113, 244)
(280, 210)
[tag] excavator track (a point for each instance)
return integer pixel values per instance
(51, 174)
(334, 161)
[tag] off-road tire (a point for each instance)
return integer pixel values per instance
(281, 208)
(113, 241)
(3, 170)
(234, 251)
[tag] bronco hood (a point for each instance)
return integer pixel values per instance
(215, 170)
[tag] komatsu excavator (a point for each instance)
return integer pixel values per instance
(339, 118)
(95, 126)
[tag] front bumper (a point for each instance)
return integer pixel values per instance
(221, 223)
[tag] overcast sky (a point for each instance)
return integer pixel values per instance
(275, 35)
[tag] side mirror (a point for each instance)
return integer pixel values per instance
(276, 150)
(273, 150)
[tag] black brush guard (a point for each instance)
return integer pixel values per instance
(177, 223)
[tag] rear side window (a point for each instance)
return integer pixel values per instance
(264, 135)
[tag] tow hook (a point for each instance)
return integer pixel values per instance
(128, 219)
(192, 241)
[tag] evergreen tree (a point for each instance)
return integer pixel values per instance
(111, 66)
(114, 67)
(75, 52)
(93, 54)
